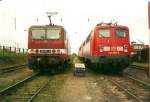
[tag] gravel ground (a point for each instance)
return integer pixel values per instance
(91, 88)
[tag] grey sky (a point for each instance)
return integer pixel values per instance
(75, 14)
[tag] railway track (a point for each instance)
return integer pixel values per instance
(139, 67)
(137, 80)
(138, 92)
(12, 68)
(21, 91)
(6, 90)
(36, 93)
(137, 74)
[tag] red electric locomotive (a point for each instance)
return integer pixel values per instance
(48, 48)
(107, 48)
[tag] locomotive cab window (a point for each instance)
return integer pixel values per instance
(38, 34)
(120, 33)
(53, 33)
(104, 33)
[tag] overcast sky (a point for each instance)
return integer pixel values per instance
(16, 16)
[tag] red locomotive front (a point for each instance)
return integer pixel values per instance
(111, 40)
(107, 47)
(48, 47)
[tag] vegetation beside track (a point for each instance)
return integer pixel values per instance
(7, 61)
(52, 91)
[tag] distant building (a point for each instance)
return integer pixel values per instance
(138, 46)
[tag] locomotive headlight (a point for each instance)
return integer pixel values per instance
(63, 51)
(53, 51)
(37, 51)
(101, 49)
(31, 51)
(125, 48)
(58, 51)
(106, 48)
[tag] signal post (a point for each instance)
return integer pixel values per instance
(149, 35)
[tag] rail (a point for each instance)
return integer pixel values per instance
(37, 92)
(135, 79)
(12, 68)
(139, 67)
(6, 90)
(125, 90)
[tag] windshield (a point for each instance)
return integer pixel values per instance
(38, 33)
(53, 33)
(104, 33)
(121, 33)
(41, 33)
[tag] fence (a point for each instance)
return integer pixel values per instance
(142, 55)
(12, 51)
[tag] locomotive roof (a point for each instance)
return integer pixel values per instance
(110, 26)
(38, 26)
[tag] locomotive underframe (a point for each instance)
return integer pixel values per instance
(47, 64)
(108, 64)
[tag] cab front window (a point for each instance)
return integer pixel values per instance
(104, 33)
(53, 33)
(120, 33)
(38, 34)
